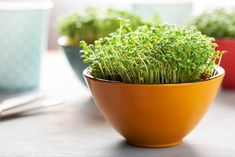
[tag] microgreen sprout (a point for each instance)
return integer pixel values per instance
(219, 23)
(94, 25)
(160, 54)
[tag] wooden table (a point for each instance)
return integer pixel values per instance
(77, 129)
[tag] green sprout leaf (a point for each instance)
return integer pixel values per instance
(159, 54)
(218, 23)
(94, 25)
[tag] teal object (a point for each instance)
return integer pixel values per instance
(173, 13)
(23, 38)
(73, 56)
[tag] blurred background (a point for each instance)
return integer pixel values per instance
(29, 28)
(38, 54)
(38, 38)
(193, 7)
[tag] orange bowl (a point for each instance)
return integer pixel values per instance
(154, 115)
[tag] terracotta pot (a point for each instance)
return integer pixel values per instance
(228, 61)
(154, 115)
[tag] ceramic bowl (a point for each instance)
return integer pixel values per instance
(73, 56)
(154, 115)
(228, 62)
(23, 39)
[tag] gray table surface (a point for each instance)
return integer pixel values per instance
(77, 128)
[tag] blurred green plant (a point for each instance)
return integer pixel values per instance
(93, 25)
(218, 23)
(159, 54)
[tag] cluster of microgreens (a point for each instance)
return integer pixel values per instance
(218, 23)
(93, 24)
(160, 54)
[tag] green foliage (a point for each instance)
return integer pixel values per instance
(93, 25)
(217, 23)
(160, 54)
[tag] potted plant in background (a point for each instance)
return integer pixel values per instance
(93, 25)
(23, 39)
(220, 24)
(153, 84)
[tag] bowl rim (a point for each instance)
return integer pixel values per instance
(219, 69)
(61, 41)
